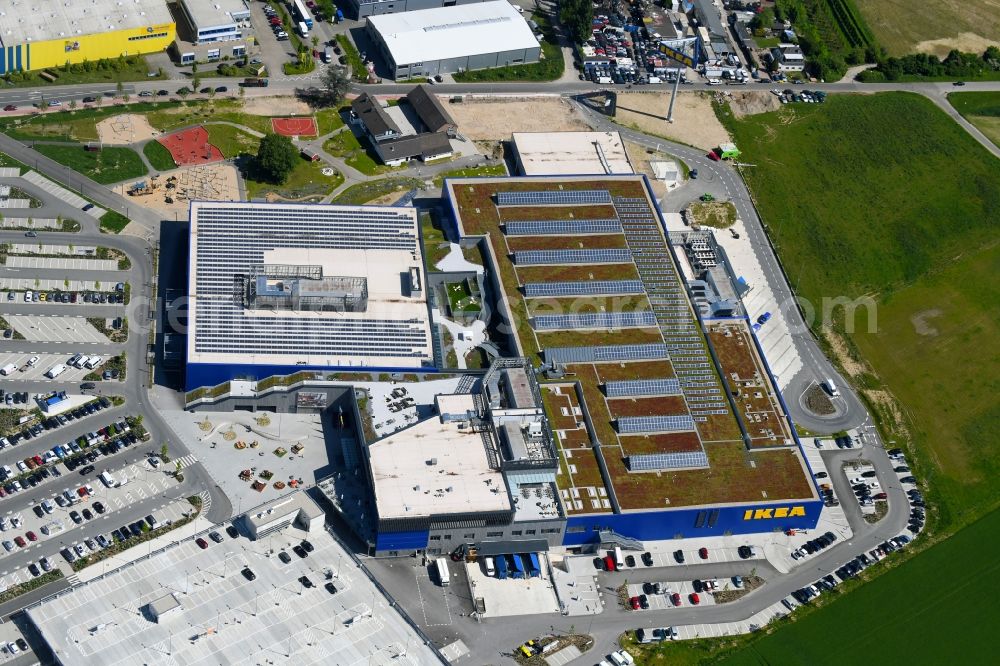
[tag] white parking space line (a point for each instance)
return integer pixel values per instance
(61, 263)
(47, 328)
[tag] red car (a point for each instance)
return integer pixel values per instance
(634, 602)
(38, 460)
(82, 492)
(675, 598)
(201, 543)
(20, 541)
(881, 496)
(713, 156)
(31, 536)
(695, 599)
(609, 563)
(275, 21)
(703, 553)
(10, 107)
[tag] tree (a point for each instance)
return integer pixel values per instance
(334, 85)
(315, 41)
(276, 157)
(165, 453)
(764, 19)
(577, 16)
(120, 87)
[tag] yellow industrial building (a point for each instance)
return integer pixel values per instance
(36, 34)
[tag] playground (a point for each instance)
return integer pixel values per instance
(295, 127)
(125, 128)
(173, 191)
(190, 147)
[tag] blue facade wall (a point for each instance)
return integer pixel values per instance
(212, 374)
(402, 541)
(661, 525)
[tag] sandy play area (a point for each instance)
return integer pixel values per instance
(270, 106)
(125, 128)
(212, 182)
(694, 120)
(496, 119)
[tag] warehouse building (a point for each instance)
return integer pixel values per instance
(566, 153)
(38, 34)
(215, 21)
(360, 9)
(278, 288)
(453, 39)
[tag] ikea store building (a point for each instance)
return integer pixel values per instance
(37, 34)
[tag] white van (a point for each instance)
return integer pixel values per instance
(107, 479)
(74, 360)
(55, 527)
(491, 570)
(82, 361)
(55, 371)
(28, 296)
(655, 79)
(8, 369)
(619, 558)
(831, 387)
(93, 362)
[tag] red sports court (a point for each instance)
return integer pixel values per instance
(304, 126)
(190, 147)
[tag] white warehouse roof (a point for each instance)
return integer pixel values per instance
(427, 35)
(26, 21)
(569, 153)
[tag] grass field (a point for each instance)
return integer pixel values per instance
(549, 68)
(306, 183)
(471, 172)
(110, 165)
(436, 245)
(982, 109)
(901, 26)
(231, 141)
(373, 189)
(158, 156)
(361, 157)
(851, 218)
(113, 222)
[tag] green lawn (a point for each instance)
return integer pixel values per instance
(358, 71)
(883, 195)
(158, 156)
(113, 222)
(549, 68)
(356, 155)
(232, 141)
(436, 246)
(196, 112)
(982, 109)
(72, 125)
(328, 120)
(471, 172)
(111, 165)
(460, 297)
(307, 183)
(373, 189)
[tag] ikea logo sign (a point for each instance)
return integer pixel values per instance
(780, 512)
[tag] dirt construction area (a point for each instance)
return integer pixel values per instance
(694, 120)
(208, 182)
(496, 119)
(751, 102)
(125, 128)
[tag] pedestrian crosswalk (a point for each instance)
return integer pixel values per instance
(206, 501)
(186, 461)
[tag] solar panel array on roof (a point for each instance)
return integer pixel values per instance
(594, 320)
(666, 292)
(677, 423)
(602, 256)
(553, 197)
(548, 227)
(588, 288)
(681, 460)
(605, 353)
(638, 387)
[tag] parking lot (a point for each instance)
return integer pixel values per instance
(52, 328)
(61, 263)
(17, 284)
(41, 366)
(673, 594)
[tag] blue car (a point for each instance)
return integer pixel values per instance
(763, 319)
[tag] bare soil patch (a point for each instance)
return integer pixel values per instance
(694, 119)
(496, 119)
(270, 106)
(966, 41)
(752, 102)
(124, 129)
(922, 322)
